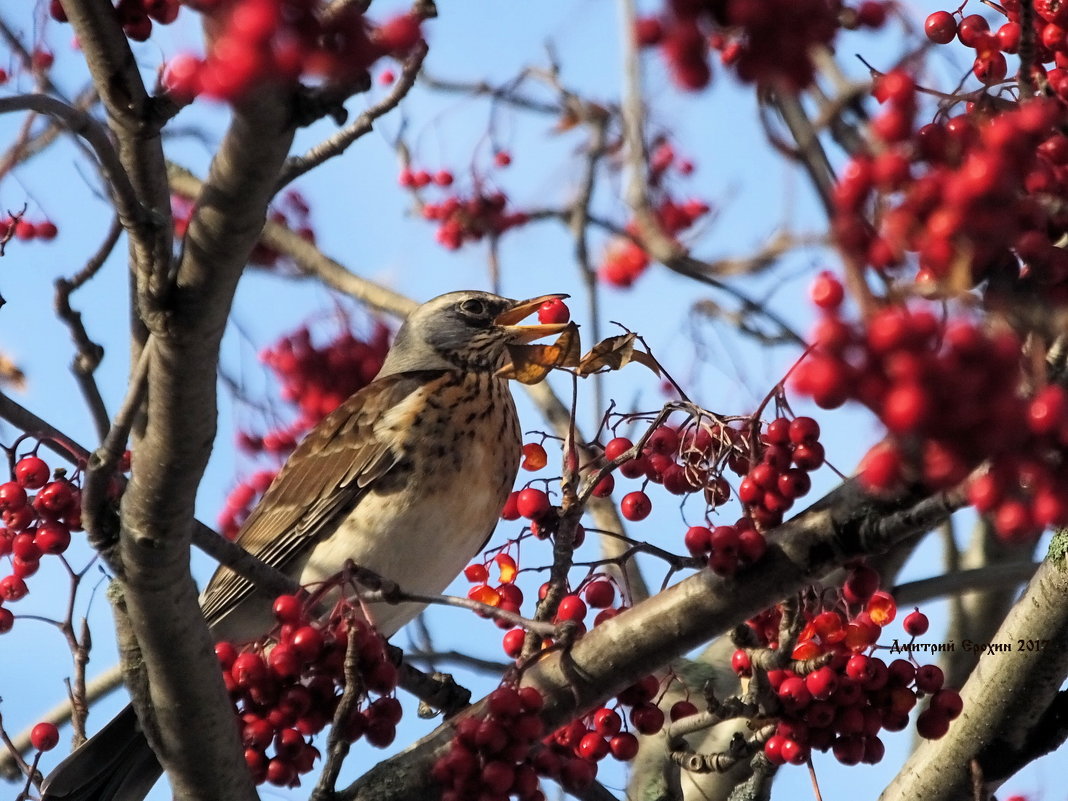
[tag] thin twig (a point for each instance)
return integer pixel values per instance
(89, 353)
(296, 166)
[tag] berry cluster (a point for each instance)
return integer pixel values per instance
(943, 192)
(767, 43)
(135, 16)
(833, 694)
(625, 260)
(26, 231)
(287, 688)
(1050, 43)
(773, 461)
(38, 513)
(944, 390)
(500, 755)
(469, 219)
(316, 380)
(286, 39)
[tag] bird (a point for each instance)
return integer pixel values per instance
(406, 478)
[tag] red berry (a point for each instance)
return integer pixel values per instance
(940, 27)
(948, 702)
(13, 588)
(44, 736)
(571, 608)
(647, 718)
(32, 472)
(534, 456)
(826, 291)
(553, 311)
(929, 678)
(12, 495)
(636, 505)
(513, 642)
(52, 538)
(932, 724)
(624, 746)
(698, 540)
(288, 609)
(532, 503)
(741, 663)
(607, 722)
(616, 448)
(682, 709)
(915, 623)
(502, 158)
(600, 594)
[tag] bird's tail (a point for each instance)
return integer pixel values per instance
(115, 764)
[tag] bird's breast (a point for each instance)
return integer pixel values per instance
(458, 445)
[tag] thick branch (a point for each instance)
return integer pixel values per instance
(1007, 692)
(843, 525)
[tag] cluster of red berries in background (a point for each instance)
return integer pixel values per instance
(507, 752)
(135, 16)
(25, 231)
(764, 42)
(944, 389)
(38, 512)
(464, 217)
(285, 39)
(1050, 40)
(286, 690)
(625, 260)
(833, 694)
(315, 379)
(943, 189)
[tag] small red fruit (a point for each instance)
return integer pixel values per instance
(532, 503)
(636, 505)
(915, 623)
(31, 472)
(44, 736)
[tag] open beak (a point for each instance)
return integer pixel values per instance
(522, 334)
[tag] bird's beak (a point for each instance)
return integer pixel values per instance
(522, 334)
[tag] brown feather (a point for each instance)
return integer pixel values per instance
(318, 486)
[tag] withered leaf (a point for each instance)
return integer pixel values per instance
(613, 353)
(10, 374)
(531, 363)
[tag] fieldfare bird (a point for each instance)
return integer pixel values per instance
(406, 478)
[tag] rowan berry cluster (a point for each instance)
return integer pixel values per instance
(943, 389)
(285, 40)
(506, 752)
(286, 689)
(769, 43)
(315, 380)
(463, 217)
(38, 512)
(773, 461)
(25, 231)
(135, 16)
(943, 191)
(625, 260)
(833, 694)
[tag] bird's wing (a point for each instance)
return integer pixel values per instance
(318, 486)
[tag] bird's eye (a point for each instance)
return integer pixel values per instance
(473, 308)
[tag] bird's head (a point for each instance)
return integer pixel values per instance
(468, 330)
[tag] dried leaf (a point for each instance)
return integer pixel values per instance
(531, 363)
(10, 374)
(613, 353)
